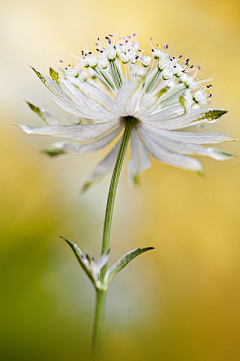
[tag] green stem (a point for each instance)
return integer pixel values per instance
(98, 322)
(130, 122)
(101, 294)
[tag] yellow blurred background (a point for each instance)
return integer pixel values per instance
(180, 302)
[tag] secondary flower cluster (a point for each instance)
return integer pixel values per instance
(116, 82)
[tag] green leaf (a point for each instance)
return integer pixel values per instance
(80, 257)
(122, 262)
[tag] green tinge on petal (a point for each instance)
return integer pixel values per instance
(182, 102)
(52, 151)
(136, 179)
(214, 114)
(161, 92)
(37, 111)
(41, 77)
(199, 172)
(89, 184)
(220, 154)
(54, 75)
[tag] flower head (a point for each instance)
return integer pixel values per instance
(159, 90)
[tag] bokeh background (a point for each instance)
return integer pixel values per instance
(179, 302)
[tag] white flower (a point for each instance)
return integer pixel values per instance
(160, 92)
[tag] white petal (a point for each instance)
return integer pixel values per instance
(166, 113)
(147, 105)
(96, 103)
(50, 119)
(57, 94)
(100, 97)
(75, 148)
(176, 160)
(190, 137)
(80, 132)
(128, 96)
(195, 116)
(219, 154)
(139, 161)
(172, 95)
(178, 147)
(105, 166)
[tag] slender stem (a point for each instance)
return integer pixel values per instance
(101, 294)
(98, 322)
(130, 122)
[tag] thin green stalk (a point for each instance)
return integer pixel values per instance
(98, 322)
(130, 122)
(101, 294)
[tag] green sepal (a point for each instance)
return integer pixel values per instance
(122, 262)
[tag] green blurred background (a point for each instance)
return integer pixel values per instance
(179, 302)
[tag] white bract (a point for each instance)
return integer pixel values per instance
(116, 82)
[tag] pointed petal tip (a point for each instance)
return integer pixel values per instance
(221, 112)
(23, 127)
(220, 154)
(136, 180)
(200, 172)
(226, 155)
(51, 152)
(87, 185)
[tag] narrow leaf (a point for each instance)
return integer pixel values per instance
(122, 262)
(80, 257)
